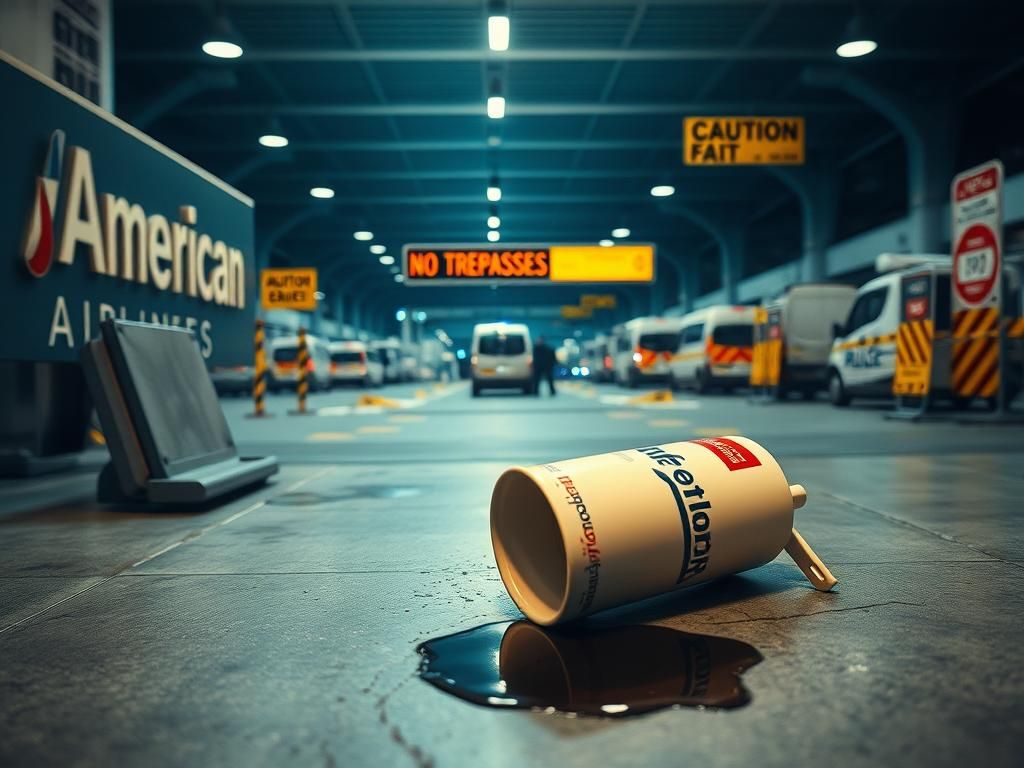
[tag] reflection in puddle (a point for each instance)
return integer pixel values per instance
(617, 671)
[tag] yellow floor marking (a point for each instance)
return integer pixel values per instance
(330, 437)
(716, 431)
(667, 423)
(377, 429)
(624, 415)
(407, 418)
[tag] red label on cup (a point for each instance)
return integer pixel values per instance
(732, 454)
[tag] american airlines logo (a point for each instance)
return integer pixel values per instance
(120, 239)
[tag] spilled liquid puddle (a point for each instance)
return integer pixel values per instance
(617, 671)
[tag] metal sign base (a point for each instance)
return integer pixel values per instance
(149, 463)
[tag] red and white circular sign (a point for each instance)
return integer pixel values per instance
(976, 264)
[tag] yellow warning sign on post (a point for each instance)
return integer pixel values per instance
(288, 288)
(572, 312)
(915, 336)
(914, 344)
(598, 300)
(743, 140)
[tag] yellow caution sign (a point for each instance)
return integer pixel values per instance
(288, 288)
(598, 300)
(572, 312)
(743, 141)
(976, 352)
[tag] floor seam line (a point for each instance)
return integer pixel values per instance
(916, 527)
(41, 611)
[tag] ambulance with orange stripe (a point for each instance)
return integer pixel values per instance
(643, 348)
(716, 347)
(863, 358)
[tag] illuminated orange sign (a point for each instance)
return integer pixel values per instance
(439, 264)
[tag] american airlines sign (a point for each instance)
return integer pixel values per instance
(112, 224)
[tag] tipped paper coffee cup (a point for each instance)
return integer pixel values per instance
(579, 536)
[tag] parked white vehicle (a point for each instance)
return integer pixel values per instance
(390, 353)
(716, 346)
(643, 348)
(502, 357)
(597, 358)
(808, 314)
(353, 362)
(283, 355)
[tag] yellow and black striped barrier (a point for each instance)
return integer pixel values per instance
(302, 372)
(976, 352)
(259, 372)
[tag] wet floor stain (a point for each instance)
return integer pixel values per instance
(608, 672)
(310, 499)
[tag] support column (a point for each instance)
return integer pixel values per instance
(816, 185)
(929, 128)
(728, 228)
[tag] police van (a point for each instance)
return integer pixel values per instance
(643, 348)
(863, 358)
(716, 347)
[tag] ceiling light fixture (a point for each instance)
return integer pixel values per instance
(386, 260)
(399, 278)
(663, 190)
(495, 100)
(498, 27)
(377, 250)
(493, 222)
(273, 140)
(362, 234)
(323, 193)
(852, 49)
(494, 235)
(620, 232)
(222, 49)
(854, 42)
(494, 193)
(606, 243)
(496, 107)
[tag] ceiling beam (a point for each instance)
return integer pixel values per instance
(511, 173)
(732, 53)
(509, 199)
(440, 146)
(527, 109)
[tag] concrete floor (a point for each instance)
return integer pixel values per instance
(281, 628)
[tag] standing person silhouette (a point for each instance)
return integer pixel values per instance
(543, 366)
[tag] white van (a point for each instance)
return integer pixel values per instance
(808, 313)
(283, 354)
(716, 346)
(390, 353)
(643, 347)
(862, 362)
(501, 357)
(354, 362)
